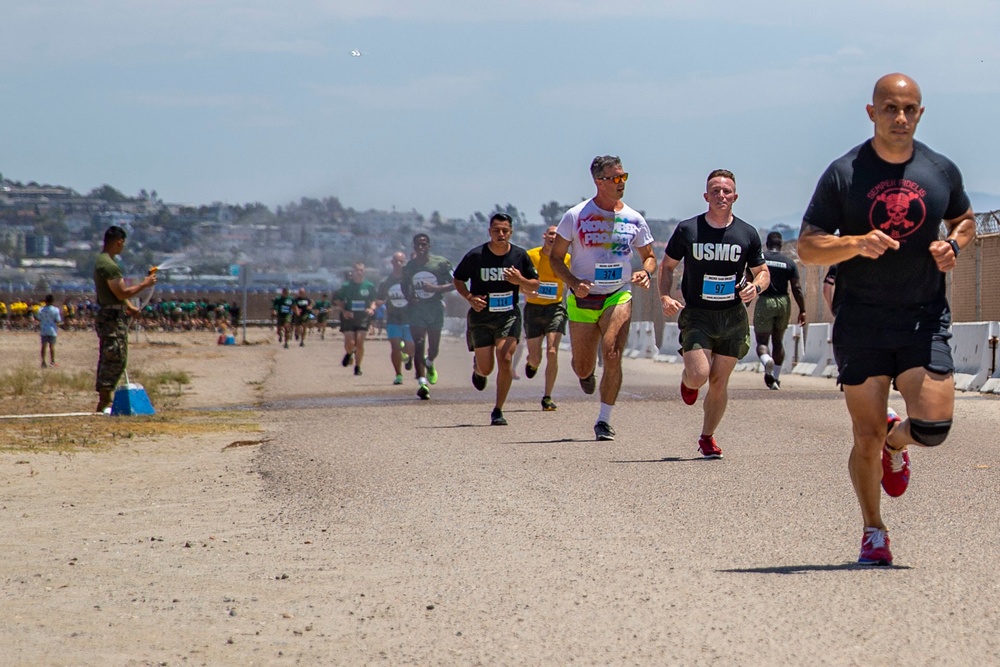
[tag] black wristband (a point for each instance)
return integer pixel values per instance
(954, 246)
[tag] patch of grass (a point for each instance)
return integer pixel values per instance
(100, 433)
(33, 385)
(21, 380)
(164, 387)
(67, 381)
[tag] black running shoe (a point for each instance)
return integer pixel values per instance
(357, 370)
(547, 404)
(478, 381)
(603, 431)
(588, 384)
(346, 361)
(408, 365)
(424, 392)
(496, 418)
(529, 370)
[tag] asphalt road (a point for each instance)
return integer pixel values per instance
(445, 541)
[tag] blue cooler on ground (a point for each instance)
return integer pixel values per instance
(131, 399)
(230, 339)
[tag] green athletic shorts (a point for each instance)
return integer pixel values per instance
(772, 313)
(590, 308)
(725, 332)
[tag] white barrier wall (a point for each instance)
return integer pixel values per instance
(454, 326)
(792, 340)
(641, 341)
(670, 344)
(973, 355)
(632, 344)
(817, 352)
(992, 384)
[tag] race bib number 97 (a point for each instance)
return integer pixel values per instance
(718, 288)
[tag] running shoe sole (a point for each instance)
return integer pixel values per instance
(529, 371)
(548, 405)
(709, 450)
(478, 381)
(424, 393)
(894, 482)
(688, 395)
(588, 384)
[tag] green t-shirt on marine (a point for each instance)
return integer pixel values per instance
(357, 297)
(105, 269)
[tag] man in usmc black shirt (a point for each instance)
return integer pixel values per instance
(773, 310)
(495, 272)
(717, 249)
(876, 213)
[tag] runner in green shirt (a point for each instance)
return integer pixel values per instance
(356, 299)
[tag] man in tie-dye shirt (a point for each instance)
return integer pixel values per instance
(600, 235)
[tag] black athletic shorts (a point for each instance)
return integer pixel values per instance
(360, 322)
(484, 330)
(542, 319)
(874, 341)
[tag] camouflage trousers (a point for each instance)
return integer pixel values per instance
(112, 330)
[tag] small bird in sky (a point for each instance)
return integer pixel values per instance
(355, 53)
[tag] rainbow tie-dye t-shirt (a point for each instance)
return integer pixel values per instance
(601, 244)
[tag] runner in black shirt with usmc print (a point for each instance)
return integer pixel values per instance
(717, 248)
(876, 214)
(495, 272)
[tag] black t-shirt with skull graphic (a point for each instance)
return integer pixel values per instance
(860, 192)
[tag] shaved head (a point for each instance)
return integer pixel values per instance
(893, 84)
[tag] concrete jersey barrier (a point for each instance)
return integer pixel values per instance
(669, 350)
(817, 352)
(974, 355)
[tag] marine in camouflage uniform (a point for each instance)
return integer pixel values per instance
(112, 320)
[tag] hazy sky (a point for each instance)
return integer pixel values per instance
(457, 105)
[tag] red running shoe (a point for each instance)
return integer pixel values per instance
(875, 548)
(895, 464)
(708, 447)
(688, 395)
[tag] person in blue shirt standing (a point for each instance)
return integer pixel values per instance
(49, 319)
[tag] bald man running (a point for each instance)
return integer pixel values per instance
(876, 214)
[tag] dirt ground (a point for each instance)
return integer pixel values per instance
(111, 533)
